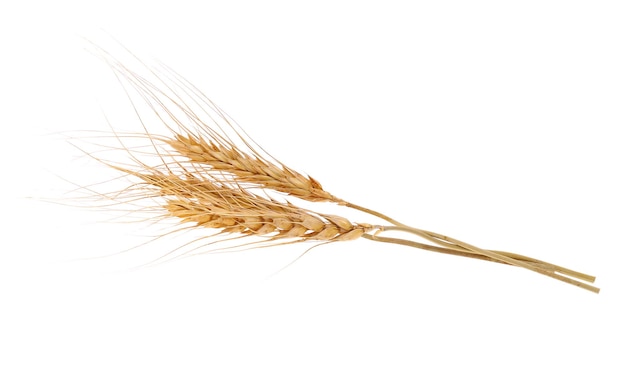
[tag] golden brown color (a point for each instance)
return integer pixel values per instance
(211, 175)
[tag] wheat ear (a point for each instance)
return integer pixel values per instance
(205, 203)
(208, 167)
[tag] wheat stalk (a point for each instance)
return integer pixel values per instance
(210, 174)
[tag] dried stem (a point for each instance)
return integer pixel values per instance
(456, 247)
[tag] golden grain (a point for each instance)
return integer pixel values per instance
(207, 180)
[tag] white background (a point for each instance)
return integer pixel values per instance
(501, 125)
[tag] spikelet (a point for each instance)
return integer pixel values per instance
(210, 175)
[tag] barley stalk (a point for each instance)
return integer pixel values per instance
(210, 174)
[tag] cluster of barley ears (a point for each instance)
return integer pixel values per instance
(205, 172)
